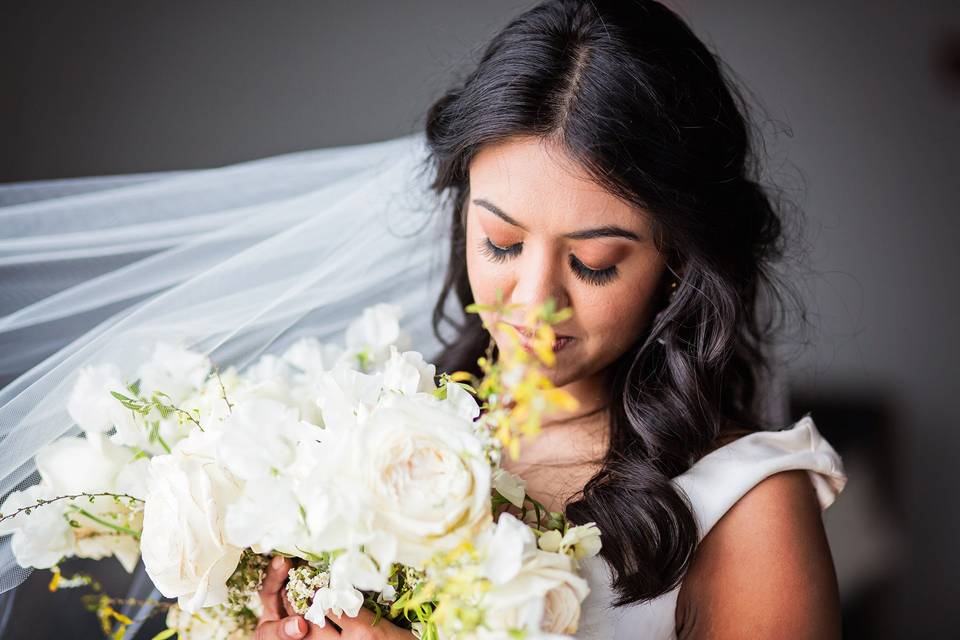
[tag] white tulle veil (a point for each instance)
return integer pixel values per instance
(235, 262)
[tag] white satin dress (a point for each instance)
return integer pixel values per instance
(713, 484)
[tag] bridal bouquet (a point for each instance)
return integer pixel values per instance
(378, 477)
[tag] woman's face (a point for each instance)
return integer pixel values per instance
(537, 227)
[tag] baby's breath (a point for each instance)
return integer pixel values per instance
(303, 582)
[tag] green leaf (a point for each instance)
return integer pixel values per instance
(134, 387)
(163, 635)
(129, 403)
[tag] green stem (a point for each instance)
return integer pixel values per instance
(43, 502)
(115, 527)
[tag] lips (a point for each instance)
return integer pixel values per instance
(559, 343)
(528, 333)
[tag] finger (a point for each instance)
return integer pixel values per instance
(363, 620)
(291, 628)
(327, 632)
(287, 606)
(270, 589)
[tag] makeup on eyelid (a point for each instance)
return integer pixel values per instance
(595, 253)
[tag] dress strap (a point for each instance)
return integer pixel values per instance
(723, 476)
(714, 484)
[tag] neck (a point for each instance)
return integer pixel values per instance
(593, 397)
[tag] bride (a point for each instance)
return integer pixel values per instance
(598, 155)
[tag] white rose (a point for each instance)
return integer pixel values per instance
(183, 544)
(533, 590)
(425, 474)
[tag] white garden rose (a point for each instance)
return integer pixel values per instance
(533, 590)
(425, 474)
(184, 548)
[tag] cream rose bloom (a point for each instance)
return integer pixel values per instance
(424, 472)
(183, 544)
(533, 590)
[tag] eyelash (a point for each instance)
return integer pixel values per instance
(593, 276)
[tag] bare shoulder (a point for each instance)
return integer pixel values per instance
(764, 570)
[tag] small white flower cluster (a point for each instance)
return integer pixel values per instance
(350, 454)
(302, 583)
(212, 623)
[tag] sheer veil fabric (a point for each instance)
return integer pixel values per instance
(234, 261)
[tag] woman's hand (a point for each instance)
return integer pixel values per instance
(280, 622)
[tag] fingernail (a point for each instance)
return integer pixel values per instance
(292, 627)
(277, 562)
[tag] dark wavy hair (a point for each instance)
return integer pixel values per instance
(631, 93)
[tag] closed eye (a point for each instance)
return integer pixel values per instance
(593, 276)
(499, 254)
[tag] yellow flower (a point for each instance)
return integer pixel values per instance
(515, 389)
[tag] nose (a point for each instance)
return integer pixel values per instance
(538, 278)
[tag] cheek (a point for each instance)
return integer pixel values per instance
(614, 318)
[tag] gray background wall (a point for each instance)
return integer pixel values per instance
(864, 134)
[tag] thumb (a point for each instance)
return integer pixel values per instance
(289, 628)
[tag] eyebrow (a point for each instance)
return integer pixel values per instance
(608, 231)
